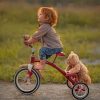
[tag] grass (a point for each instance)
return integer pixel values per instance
(51, 75)
(94, 73)
(82, 40)
(79, 29)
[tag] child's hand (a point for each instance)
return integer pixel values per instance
(27, 40)
(26, 37)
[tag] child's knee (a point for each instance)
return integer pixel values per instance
(43, 61)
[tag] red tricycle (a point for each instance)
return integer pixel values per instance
(79, 90)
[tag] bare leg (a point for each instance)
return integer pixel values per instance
(40, 65)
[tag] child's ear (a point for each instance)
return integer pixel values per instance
(46, 18)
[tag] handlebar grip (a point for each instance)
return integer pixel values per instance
(26, 37)
(30, 45)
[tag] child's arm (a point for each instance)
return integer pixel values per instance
(31, 40)
(43, 29)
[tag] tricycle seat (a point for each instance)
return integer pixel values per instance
(60, 54)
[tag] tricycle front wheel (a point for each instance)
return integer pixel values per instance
(23, 83)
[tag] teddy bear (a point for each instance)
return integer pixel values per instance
(76, 66)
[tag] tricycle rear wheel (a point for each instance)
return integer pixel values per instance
(69, 84)
(80, 90)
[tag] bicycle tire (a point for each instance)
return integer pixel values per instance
(35, 73)
(80, 97)
(68, 84)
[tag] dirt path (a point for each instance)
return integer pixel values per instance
(45, 92)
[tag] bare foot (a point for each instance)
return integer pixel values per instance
(38, 66)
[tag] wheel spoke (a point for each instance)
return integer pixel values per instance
(80, 90)
(27, 84)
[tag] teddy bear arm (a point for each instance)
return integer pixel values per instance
(75, 69)
(68, 68)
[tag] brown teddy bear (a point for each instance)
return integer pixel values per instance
(76, 66)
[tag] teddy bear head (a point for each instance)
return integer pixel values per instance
(72, 59)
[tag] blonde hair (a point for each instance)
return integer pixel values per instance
(50, 13)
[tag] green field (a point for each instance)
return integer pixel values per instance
(79, 28)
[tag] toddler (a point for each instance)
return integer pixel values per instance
(46, 35)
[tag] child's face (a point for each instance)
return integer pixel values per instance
(41, 18)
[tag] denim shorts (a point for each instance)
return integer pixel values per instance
(45, 52)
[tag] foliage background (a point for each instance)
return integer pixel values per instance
(78, 26)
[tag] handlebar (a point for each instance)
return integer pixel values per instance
(29, 45)
(31, 48)
(26, 37)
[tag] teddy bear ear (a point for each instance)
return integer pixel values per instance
(72, 51)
